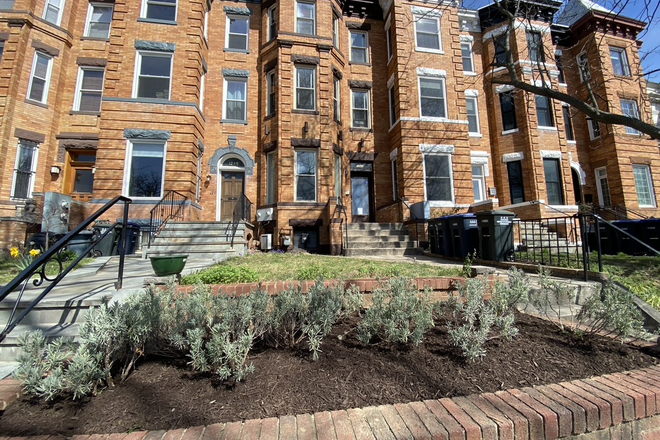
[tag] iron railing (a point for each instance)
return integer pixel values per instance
(52, 258)
(413, 218)
(553, 241)
(616, 212)
(242, 212)
(168, 208)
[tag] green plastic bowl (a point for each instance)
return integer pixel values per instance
(165, 265)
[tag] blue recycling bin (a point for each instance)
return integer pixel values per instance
(650, 233)
(626, 243)
(464, 233)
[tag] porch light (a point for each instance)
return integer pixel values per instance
(55, 169)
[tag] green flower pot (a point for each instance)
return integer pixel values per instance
(165, 265)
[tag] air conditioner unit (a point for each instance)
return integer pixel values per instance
(264, 214)
(266, 242)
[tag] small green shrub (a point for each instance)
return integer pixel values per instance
(222, 274)
(553, 299)
(399, 314)
(613, 311)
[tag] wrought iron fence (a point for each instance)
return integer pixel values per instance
(554, 241)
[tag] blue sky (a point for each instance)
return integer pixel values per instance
(643, 10)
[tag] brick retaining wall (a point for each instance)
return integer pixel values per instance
(615, 406)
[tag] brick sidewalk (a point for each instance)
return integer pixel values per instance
(622, 406)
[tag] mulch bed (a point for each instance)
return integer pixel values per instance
(165, 394)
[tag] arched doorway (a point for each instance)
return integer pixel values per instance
(577, 186)
(231, 186)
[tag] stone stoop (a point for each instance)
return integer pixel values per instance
(536, 236)
(210, 238)
(366, 239)
(614, 406)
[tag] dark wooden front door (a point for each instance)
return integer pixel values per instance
(232, 190)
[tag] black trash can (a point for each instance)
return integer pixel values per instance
(464, 234)
(132, 236)
(650, 234)
(608, 241)
(433, 236)
(625, 243)
(445, 247)
(81, 242)
(495, 235)
(107, 246)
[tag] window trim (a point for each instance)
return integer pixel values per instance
(33, 170)
(145, 10)
(591, 125)
(560, 183)
(49, 71)
(481, 180)
(313, 88)
(548, 108)
(271, 97)
(600, 189)
(77, 100)
(365, 48)
(129, 164)
(90, 13)
(583, 59)
(451, 180)
(625, 65)
(336, 40)
(471, 57)
(316, 174)
(60, 12)
(272, 22)
(368, 109)
(202, 91)
(392, 101)
(568, 123)
(395, 179)
(336, 99)
(522, 180)
(271, 180)
(635, 110)
(339, 183)
(138, 65)
(531, 36)
(421, 16)
(225, 85)
(649, 182)
(389, 42)
(476, 115)
(228, 33)
(313, 19)
(444, 97)
(508, 94)
(206, 24)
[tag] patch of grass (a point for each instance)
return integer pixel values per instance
(639, 274)
(8, 271)
(286, 267)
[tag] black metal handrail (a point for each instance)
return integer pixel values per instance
(53, 254)
(617, 212)
(242, 211)
(168, 208)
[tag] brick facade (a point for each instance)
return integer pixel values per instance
(412, 49)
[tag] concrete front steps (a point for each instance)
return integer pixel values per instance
(210, 238)
(365, 239)
(537, 237)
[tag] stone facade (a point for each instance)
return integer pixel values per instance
(325, 111)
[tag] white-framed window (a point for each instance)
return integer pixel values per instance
(390, 43)
(336, 99)
(568, 123)
(473, 114)
(594, 129)
(206, 23)
(235, 102)
(25, 169)
(359, 47)
(306, 164)
(629, 108)
(535, 45)
(271, 83)
(306, 17)
(99, 18)
(305, 88)
(89, 89)
(427, 33)
(583, 67)
(145, 169)
(360, 109)
(619, 61)
(392, 96)
(432, 97)
(153, 75)
(202, 91)
(164, 10)
(544, 111)
(198, 183)
(42, 65)
(644, 185)
(438, 177)
(655, 113)
(338, 178)
(53, 11)
(238, 27)
(335, 31)
(272, 22)
(479, 182)
(603, 187)
(553, 181)
(271, 161)
(508, 108)
(467, 56)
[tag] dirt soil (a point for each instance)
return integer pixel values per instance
(166, 394)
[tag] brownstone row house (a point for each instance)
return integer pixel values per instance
(322, 110)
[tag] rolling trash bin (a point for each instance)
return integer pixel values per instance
(495, 235)
(464, 232)
(444, 237)
(626, 243)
